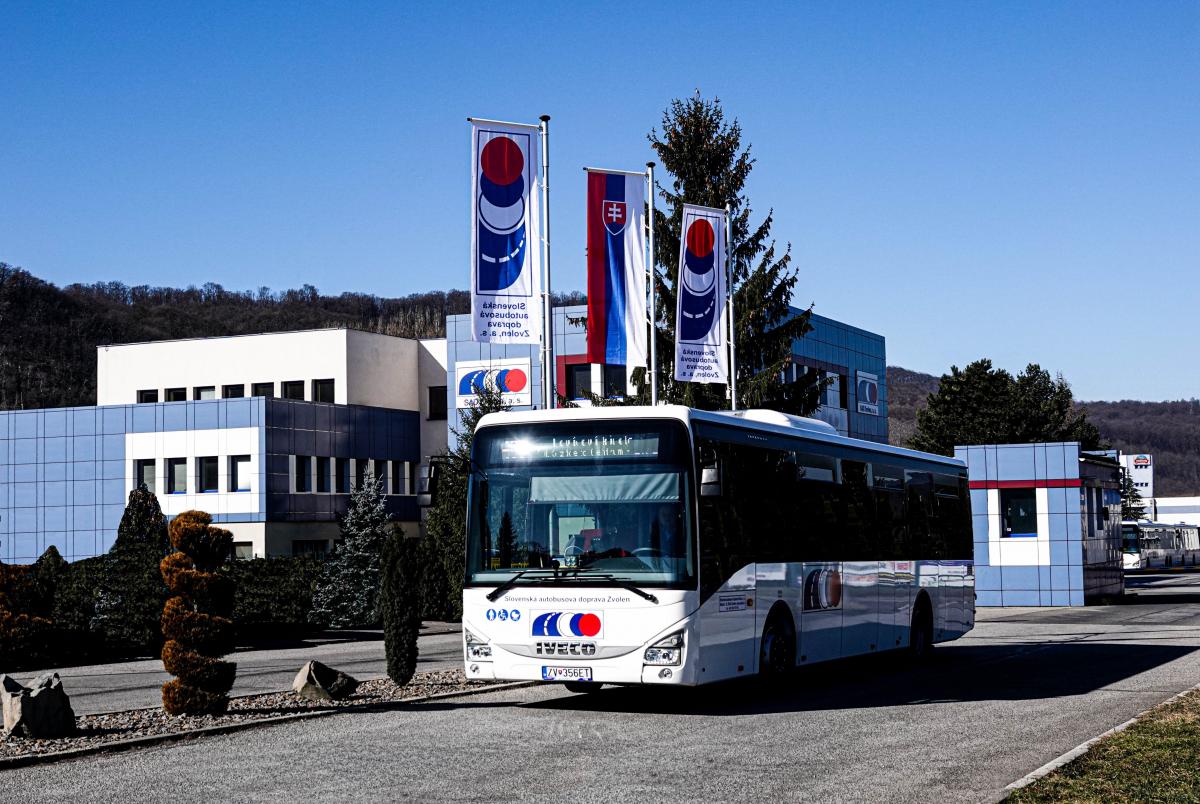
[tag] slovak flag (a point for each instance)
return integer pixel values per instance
(618, 317)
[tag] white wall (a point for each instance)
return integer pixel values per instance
(321, 354)
(381, 371)
(431, 371)
(191, 444)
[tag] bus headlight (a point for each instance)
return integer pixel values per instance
(668, 650)
(476, 648)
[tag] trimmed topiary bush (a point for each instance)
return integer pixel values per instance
(196, 619)
(401, 604)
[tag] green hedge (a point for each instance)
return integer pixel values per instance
(273, 594)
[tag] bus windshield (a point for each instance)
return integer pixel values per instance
(576, 502)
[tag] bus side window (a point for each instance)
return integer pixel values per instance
(919, 494)
(858, 506)
(724, 547)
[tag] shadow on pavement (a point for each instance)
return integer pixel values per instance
(977, 673)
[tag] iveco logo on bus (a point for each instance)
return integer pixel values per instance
(567, 624)
(565, 648)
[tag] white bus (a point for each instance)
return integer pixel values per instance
(665, 545)
(1148, 545)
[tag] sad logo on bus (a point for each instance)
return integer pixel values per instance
(822, 590)
(567, 623)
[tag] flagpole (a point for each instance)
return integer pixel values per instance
(732, 329)
(653, 308)
(547, 307)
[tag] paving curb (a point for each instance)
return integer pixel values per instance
(156, 739)
(1084, 747)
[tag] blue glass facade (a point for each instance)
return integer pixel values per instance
(65, 473)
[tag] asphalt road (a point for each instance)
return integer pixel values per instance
(1022, 688)
(137, 684)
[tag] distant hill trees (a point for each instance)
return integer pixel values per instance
(50, 334)
(1170, 431)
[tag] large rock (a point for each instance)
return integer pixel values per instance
(41, 710)
(320, 682)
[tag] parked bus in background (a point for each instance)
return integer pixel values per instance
(1152, 545)
(666, 545)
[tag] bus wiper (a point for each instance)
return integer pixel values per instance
(496, 593)
(623, 584)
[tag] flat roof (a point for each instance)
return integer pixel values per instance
(263, 334)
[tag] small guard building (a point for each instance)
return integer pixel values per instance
(1047, 523)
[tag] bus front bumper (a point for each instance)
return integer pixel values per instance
(629, 668)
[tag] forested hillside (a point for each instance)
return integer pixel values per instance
(1170, 431)
(49, 335)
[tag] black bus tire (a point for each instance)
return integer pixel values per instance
(777, 648)
(920, 633)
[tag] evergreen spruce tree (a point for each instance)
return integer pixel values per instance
(447, 521)
(1133, 506)
(400, 604)
(704, 156)
(347, 591)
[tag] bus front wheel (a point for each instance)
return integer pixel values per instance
(777, 650)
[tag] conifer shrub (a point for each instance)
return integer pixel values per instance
(25, 637)
(196, 618)
(347, 590)
(401, 604)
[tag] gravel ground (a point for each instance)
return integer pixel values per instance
(116, 726)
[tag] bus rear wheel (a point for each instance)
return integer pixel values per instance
(920, 635)
(777, 650)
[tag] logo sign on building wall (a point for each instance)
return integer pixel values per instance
(1141, 462)
(510, 377)
(868, 393)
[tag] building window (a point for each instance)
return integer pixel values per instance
(1019, 509)
(309, 547)
(144, 474)
(361, 469)
(239, 472)
(322, 391)
(398, 477)
(176, 475)
(843, 392)
(206, 474)
(614, 381)
(342, 481)
(204, 392)
(175, 395)
(293, 389)
(147, 396)
(323, 475)
(233, 391)
(380, 473)
(437, 403)
(262, 389)
(303, 474)
(243, 550)
(579, 380)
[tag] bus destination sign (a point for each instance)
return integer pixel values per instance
(581, 448)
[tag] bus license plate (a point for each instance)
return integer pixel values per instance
(566, 673)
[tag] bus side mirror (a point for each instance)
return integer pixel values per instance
(710, 481)
(427, 478)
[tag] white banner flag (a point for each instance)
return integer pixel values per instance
(505, 234)
(701, 326)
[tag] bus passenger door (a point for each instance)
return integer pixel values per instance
(727, 629)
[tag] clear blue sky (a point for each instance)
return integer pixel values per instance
(1013, 180)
